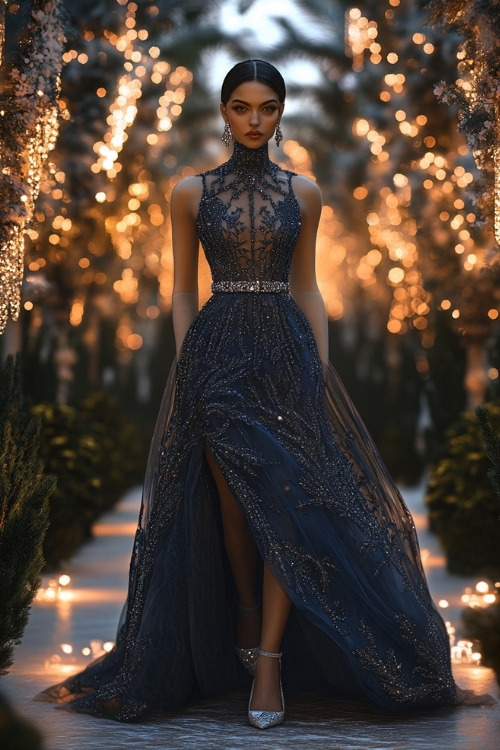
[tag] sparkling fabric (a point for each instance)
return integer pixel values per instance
(324, 512)
(278, 287)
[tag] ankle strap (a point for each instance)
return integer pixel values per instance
(247, 609)
(269, 653)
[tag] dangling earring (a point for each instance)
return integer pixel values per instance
(278, 136)
(227, 136)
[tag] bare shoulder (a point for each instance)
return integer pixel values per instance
(307, 193)
(188, 192)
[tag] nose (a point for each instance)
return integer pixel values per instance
(254, 117)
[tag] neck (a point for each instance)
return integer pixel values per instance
(246, 159)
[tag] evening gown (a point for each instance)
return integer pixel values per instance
(324, 512)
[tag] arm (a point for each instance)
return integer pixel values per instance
(303, 285)
(185, 244)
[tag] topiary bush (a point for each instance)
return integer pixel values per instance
(484, 625)
(24, 494)
(95, 453)
(69, 450)
(124, 452)
(464, 510)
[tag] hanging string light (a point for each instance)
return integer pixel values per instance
(29, 111)
(2, 29)
(395, 267)
(142, 67)
(475, 92)
(497, 189)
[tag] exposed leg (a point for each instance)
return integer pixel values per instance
(242, 554)
(275, 610)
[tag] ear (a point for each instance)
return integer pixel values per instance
(281, 108)
(223, 111)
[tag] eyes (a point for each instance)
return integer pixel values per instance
(268, 108)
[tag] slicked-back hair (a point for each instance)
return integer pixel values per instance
(253, 70)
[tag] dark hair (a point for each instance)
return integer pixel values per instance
(253, 70)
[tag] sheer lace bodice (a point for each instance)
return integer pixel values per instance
(249, 218)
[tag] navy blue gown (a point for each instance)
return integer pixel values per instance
(324, 512)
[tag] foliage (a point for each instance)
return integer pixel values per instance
(29, 91)
(123, 453)
(491, 440)
(463, 508)
(484, 625)
(475, 92)
(95, 453)
(24, 493)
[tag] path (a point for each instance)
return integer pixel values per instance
(99, 573)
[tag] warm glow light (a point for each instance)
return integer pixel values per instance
(396, 275)
(360, 193)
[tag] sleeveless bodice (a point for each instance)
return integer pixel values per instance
(249, 218)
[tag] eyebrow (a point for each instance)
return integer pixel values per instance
(269, 101)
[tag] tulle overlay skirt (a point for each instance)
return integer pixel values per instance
(324, 513)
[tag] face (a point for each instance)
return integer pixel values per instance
(253, 111)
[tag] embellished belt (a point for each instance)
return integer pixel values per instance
(273, 287)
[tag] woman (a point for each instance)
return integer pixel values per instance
(268, 521)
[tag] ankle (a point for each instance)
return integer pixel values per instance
(270, 654)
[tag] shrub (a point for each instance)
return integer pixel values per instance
(95, 453)
(463, 508)
(24, 493)
(69, 450)
(123, 453)
(484, 625)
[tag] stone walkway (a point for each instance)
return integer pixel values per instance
(88, 618)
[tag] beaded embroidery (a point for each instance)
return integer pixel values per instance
(249, 219)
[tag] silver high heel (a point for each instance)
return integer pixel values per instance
(267, 719)
(248, 656)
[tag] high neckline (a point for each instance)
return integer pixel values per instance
(249, 160)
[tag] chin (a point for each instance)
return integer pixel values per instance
(254, 142)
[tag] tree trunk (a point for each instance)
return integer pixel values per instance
(475, 380)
